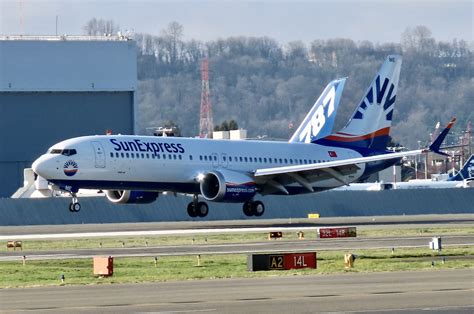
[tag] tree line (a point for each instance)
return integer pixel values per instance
(268, 87)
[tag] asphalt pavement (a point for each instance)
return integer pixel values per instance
(443, 291)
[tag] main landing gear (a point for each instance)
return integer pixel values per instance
(254, 208)
(197, 209)
(74, 206)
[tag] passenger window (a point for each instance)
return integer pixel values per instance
(200, 157)
(111, 154)
(245, 159)
(230, 158)
(174, 157)
(127, 155)
(286, 161)
(190, 157)
(170, 157)
(240, 159)
(157, 156)
(116, 155)
(250, 159)
(122, 154)
(180, 157)
(264, 159)
(131, 155)
(205, 157)
(164, 156)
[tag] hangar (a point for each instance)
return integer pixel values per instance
(56, 87)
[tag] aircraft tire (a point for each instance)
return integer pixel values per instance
(202, 209)
(76, 207)
(192, 210)
(248, 209)
(258, 208)
(70, 207)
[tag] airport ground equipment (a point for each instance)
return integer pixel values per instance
(275, 235)
(15, 244)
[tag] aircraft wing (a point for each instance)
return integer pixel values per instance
(344, 163)
(337, 169)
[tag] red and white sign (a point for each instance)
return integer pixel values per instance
(344, 232)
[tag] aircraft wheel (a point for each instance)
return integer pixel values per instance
(248, 209)
(258, 208)
(192, 210)
(70, 207)
(202, 209)
(76, 207)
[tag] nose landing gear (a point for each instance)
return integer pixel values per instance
(74, 206)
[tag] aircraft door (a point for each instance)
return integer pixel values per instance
(224, 160)
(99, 155)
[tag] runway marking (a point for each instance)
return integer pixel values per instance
(152, 233)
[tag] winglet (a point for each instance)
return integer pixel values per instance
(434, 147)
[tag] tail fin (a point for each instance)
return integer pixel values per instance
(319, 122)
(466, 172)
(370, 124)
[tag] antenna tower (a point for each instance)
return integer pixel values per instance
(205, 123)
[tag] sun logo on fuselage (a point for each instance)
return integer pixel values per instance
(375, 95)
(70, 168)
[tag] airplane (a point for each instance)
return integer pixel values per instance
(136, 169)
(466, 172)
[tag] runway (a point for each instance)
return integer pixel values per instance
(396, 292)
(409, 221)
(353, 244)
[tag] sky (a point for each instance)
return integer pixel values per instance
(376, 21)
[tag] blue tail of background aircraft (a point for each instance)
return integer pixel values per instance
(370, 124)
(466, 172)
(319, 122)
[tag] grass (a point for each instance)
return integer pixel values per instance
(134, 270)
(36, 245)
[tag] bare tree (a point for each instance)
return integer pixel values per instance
(95, 27)
(172, 36)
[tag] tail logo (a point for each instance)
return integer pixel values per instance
(319, 119)
(379, 92)
(470, 169)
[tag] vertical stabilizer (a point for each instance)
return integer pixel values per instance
(466, 172)
(319, 122)
(370, 124)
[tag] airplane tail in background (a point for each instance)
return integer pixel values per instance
(319, 122)
(370, 124)
(466, 172)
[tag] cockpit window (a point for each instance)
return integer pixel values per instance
(65, 152)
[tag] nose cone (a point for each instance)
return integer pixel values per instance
(39, 167)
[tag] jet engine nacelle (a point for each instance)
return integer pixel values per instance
(227, 186)
(131, 197)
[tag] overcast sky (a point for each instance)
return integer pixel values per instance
(377, 21)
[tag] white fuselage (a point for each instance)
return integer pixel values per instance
(174, 163)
